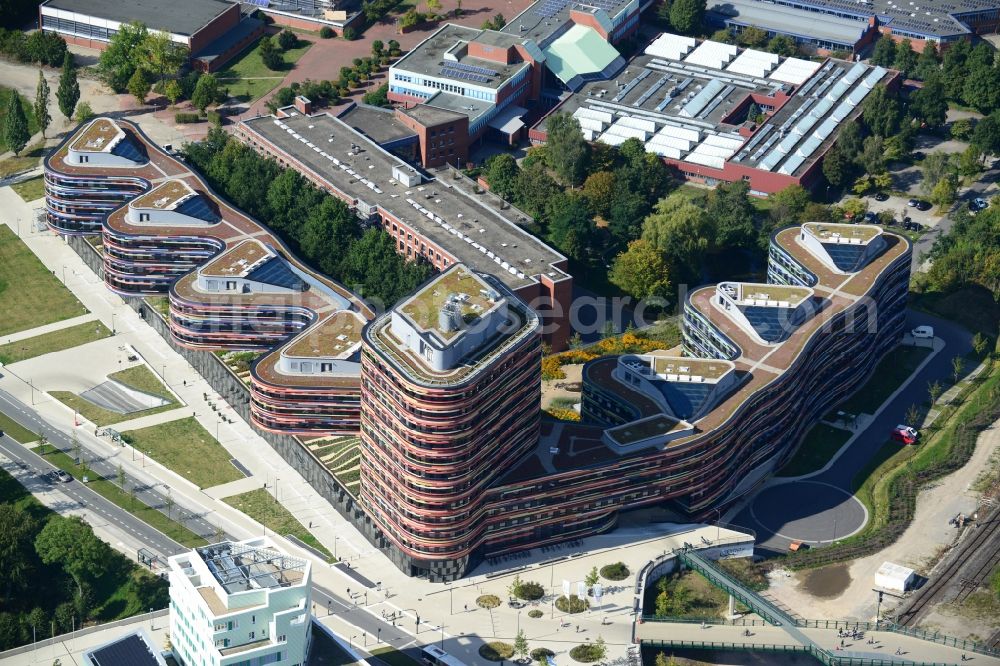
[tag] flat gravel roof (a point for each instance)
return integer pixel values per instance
(181, 17)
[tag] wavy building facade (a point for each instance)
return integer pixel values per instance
(456, 464)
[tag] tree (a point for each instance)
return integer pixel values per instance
(982, 88)
(930, 103)
(377, 48)
(163, 56)
(945, 191)
(625, 219)
(663, 660)
(599, 189)
(495, 23)
(15, 125)
(38, 620)
(686, 15)
(641, 271)
(782, 45)
(378, 97)
(521, 644)
(730, 210)
(120, 473)
(934, 391)
(787, 205)
(571, 228)
(970, 161)
(270, 55)
(927, 62)
(683, 232)
(957, 366)
(850, 141)
(592, 578)
(912, 416)
(935, 166)
(752, 37)
(599, 650)
(83, 112)
(566, 152)
(173, 91)
(139, 86)
(501, 175)
(433, 6)
(906, 58)
(68, 93)
(881, 112)
(961, 129)
(986, 136)
(979, 343)
(205, 92)
(836, 167)
(873, 155)
(168, 503)
(41, 109)
(71, 544)
(17, 556)
(884, 53)
(123, 55)
(855, 208)
(287, 40)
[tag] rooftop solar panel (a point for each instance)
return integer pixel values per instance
(130, 650)
(771, 324)
(198, 208)
(685, 398)
(129, 150)
(845, 257)
(276, 272)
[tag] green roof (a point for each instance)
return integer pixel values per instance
(578, 52)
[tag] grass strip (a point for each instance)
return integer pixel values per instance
(47, 343)
(14, 429)
(98, 415)
(185, 447)
(141, 378)
(394, 657)
(111, 492)
(262, 507)
(31, 189)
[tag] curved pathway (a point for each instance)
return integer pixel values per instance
(821, 507)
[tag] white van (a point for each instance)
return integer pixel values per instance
(923, 332)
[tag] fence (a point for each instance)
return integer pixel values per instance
(61, 638)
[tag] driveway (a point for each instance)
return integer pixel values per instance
(822, 507)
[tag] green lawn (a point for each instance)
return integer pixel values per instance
(325, 651)
(108, 488)
(262, 507)
(14, 429)
(890, 373)
(5, 94)
(30, 295)
(394, 657)
(819, 445)
(141, 378)
(31, 189)
(248, 79)
(98, 415)
(30, 158)
(185, 447)
(46, 343)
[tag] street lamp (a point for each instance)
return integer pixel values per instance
(113, 331)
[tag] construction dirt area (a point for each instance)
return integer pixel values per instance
(845, 591)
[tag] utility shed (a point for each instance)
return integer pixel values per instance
(894, 577)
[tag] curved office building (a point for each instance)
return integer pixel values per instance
(450, 382)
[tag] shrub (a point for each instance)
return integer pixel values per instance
(185, 118)
(527, 590)
(496, 651)
(214, 117)
(616, 571)
(586, 653)
(287, 40)
(83, 112)
(534, 615)
(573, 604)
(350, 34)
(327, 33)
(488, 601)
(563, 414)
(540, 654)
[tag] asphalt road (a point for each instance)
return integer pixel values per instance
(371, 630)
(154, 496)
(820, 508)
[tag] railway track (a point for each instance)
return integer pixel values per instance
(973, 560)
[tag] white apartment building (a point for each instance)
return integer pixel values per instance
(239, 603)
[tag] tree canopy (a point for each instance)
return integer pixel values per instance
(566, 149)
(15, 124)
(71, 544)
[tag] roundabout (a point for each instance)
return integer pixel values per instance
(812, 512)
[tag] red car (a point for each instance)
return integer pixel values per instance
(905, 434)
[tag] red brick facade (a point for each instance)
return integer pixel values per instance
(446, 142)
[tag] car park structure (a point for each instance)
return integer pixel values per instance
(444, 387)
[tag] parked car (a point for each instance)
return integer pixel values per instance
(871, 217)
(1, 434)
(881, 196)
(913, 226)
(63, 476)
(923, 332)
(905, 434)
(918, 155)
(923, 205)
(912, 203)
(979, 204)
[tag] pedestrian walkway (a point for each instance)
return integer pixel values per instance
(49, 328)
(858, 644)
(234, 487)
(153, 419)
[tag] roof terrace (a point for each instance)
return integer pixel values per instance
(828, 232)
(765, 295)
(461, 294)
(704, 369)
(99, 137)
(445, 54)
(239, 261)
(240, 567)
(165, 196)
(336, 336)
